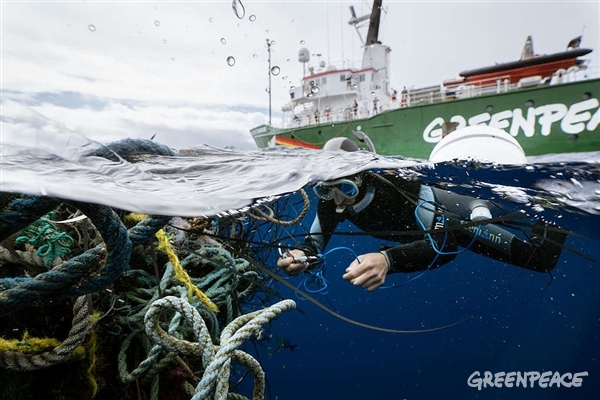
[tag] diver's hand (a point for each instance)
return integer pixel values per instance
(289, 265)
(370, 273)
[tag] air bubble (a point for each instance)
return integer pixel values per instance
(92, 28)
(173, 59)
(210, 19)
(223, 41)
(165, 41)
(230, 61)
(252, 18)
(157, 23)
(302, 42)
(238, 8)
(315, 89)
(254, 55)
(275, 70)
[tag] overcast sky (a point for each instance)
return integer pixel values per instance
(111, 70)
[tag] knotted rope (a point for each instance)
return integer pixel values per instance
(72, 278)
(28, 362)
(262, 216)
(216, 359)
(84, 273)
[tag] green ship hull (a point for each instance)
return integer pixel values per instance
(547, 119)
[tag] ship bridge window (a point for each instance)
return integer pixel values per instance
(362, 77)
(317, 81)
(342, 77)
(529, 103)
(586, 96)
(323, 80)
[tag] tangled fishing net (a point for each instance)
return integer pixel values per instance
(102, 303)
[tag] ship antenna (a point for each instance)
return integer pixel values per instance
(269, 43)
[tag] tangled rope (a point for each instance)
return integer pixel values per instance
(216, 359)
(20, 361)
(72, 278)
(106, 275)
(262, 216)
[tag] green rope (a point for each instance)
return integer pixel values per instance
(51, 242)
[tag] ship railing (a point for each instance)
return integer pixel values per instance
(332, 116)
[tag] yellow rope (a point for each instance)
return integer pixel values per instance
(36, 345)
(92, 347)
(165, 246)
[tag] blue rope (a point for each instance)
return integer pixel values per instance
(84, 273)
(434, 246)
(67, 280)
(315, 275)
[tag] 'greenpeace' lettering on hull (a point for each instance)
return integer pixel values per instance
(584, 115)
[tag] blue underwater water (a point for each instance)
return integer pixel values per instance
(492, 316)
(522, 320)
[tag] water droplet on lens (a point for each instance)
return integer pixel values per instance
(157, 23)
(252, 18)
(230, 61)
(238, 8)
(275, 70)
(92, 28)
(223, 40)
(302, 42)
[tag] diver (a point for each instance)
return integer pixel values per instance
(385, 204)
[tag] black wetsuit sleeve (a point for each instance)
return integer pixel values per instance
(322, 228)
(419, 255)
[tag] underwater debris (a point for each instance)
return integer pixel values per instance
(121, 290)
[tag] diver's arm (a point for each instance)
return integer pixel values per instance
(321, 229)
(293, 262)
(416, 256)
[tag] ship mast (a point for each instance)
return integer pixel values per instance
(374, 23)
(269, 43)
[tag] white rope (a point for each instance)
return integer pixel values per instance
(215, 359)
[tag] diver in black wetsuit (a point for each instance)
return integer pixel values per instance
(384, 204)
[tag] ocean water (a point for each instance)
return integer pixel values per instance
(491, 316)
